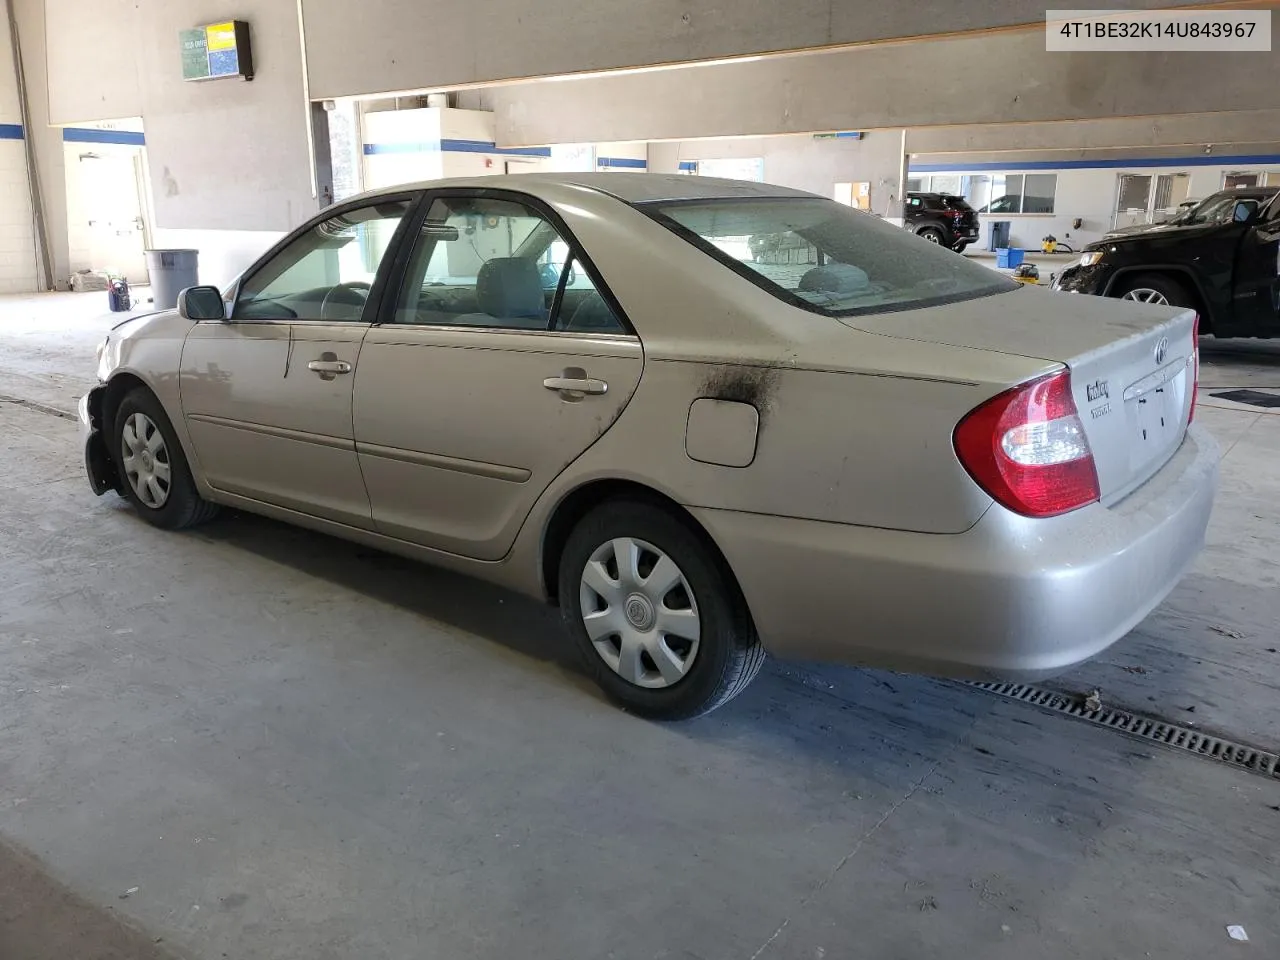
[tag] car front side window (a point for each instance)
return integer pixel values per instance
(326, 273)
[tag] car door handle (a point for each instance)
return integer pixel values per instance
(330, 367)
(576, 383)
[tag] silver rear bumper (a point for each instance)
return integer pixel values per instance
(1010, 598)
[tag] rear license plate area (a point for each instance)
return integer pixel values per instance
(1155, 418)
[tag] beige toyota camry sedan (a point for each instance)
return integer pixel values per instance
(708, 419)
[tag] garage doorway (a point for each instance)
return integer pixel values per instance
(106, 213)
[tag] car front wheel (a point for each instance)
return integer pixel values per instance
(150, 461)
(657, 618)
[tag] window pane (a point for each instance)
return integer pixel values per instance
(1038, 193)
(978, 191)
(326, 273)
(915, 184)
(582, 307)
(826, 257)
(497, 263)
(1233, 180)
(949, 183)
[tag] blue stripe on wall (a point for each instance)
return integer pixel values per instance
(690, 165)
(1203, 160)
(455, 146)
(630, 163)
(91, 135)
(10, 131)
(488, 146)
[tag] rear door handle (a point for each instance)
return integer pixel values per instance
(575, 384)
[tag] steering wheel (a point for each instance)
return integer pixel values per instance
(338, 302)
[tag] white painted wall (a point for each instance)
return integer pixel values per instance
(228, 159)
(802, 162)
(17, 237)
(401, 146)
(224, 254)
(622, 157)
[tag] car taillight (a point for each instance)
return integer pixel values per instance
(1194, 363)
(1027, 448)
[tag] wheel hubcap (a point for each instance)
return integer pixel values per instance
(640, 613)
(1146, 295)
(145, 459)
(932, 238)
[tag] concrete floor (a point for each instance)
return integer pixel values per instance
(294, 747)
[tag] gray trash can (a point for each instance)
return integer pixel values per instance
(172, 271)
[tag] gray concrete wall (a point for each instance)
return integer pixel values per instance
(808, 164)
(394, 45)
(47, 141)
(999, 78)
(1200, 129)
(1117, 157)
(224, 154)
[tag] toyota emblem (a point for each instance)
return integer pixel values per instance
(1162, 350)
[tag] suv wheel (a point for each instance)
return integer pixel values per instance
(932, 234)
(1158, 289)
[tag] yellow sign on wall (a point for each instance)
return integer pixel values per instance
(221, 36)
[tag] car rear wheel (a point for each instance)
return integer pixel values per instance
(932, 234)
(157, 480)
(1156, 288)
(657, 618)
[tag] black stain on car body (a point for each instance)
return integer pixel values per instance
(756, 386)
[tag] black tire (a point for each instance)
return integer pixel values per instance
(1168, 287)
(729, 653)
(960, 246)
(933, 235)
(183, 506)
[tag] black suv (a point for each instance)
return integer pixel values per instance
(1221, 257)
(941, 218)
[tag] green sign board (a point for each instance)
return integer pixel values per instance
(195, 54)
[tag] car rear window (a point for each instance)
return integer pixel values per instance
(826, 257)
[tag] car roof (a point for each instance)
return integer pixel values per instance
(628, 187)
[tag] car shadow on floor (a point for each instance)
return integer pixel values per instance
(806, 704)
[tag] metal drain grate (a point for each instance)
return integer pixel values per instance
(1157, 731)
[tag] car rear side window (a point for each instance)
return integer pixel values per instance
(826, 257)
(499, 264)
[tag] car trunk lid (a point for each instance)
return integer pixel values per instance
(1132, 366)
